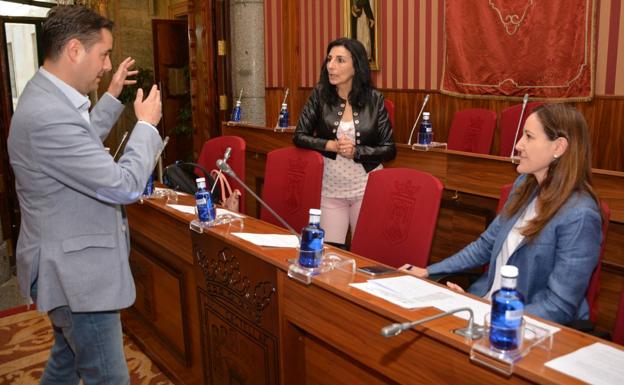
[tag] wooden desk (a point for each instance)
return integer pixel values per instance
(246, 322)
(472, 185)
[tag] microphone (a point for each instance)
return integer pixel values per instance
(525, 100)
(472, 331)
(226, 156)
(223, 166)
(417, 119)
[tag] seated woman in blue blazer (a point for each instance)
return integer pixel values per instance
(550, 227)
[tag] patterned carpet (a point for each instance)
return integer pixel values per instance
(25, 341)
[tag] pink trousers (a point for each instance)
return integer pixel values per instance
(336, 216)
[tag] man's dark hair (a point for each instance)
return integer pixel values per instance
(362, 83)
(66, 22)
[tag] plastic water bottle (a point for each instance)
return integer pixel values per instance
(425, 134)
(236, 112)
(149, 187)
(507, 312)
(283, 116)
(203, 200)
(311, 250)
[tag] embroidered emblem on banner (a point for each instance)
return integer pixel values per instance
(400, 211)
(510, 13)
(296, 175)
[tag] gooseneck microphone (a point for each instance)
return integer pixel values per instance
(417, 119)
(223, 166)
(226, 156)
(471, 331)
(525, 100)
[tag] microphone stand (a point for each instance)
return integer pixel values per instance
(417, 119)
(472, 331)
(228, 170)
(159, 159)
(121, 143)
(525, 100)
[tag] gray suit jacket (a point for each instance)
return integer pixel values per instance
(73, 237)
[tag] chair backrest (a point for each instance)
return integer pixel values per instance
(214, 149)
(389, 104)
(618, 330)
(472, 130)
(398, 217)
(509, 125)
(594, 282)
(292, 185)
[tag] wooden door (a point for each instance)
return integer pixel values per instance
(171, 68)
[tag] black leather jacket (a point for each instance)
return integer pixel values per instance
(319, 122)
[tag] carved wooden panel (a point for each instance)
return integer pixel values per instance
(238, 314)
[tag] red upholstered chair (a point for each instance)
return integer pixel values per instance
(509, 125)
(594, 283)
(292, 185)
(390, 108)
(618, 330)
(215, 148)
(398, 217)
(472, 130)
(505, 190)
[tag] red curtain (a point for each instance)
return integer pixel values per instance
(512, 47)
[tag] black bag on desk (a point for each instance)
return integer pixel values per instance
(180, 176)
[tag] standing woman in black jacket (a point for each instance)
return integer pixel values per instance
(346, 121)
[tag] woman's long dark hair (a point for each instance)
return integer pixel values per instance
(362, 83)
(569, 173)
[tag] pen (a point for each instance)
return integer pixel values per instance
(409, 267)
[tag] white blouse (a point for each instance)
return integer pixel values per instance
(342, 177)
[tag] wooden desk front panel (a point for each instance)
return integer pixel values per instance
(164, 320)
(347, 338)
(238, 309)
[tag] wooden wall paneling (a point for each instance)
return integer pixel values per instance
(604, 115)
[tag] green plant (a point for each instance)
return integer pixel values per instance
(145, 80)
(184, 125)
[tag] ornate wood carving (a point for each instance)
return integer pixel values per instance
(224, 280)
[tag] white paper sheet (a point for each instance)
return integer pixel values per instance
(271, 240)
(183, 208)
(595, 364)
(410, 293)
(191, 210)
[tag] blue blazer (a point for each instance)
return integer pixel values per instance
(554, 268)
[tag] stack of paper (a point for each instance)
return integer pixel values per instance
(410, 293)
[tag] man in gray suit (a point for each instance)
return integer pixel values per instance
(73, 246)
